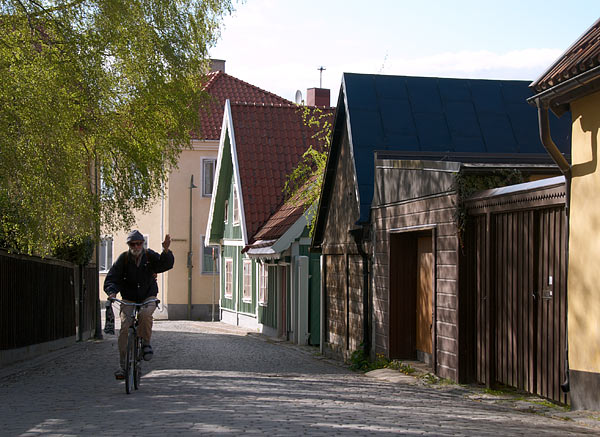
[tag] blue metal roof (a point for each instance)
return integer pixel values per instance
(428, 114)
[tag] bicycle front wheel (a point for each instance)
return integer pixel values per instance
(130, 361)
(137, 373)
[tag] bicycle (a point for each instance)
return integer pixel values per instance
(133, 365)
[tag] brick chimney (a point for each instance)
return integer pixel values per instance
(317, 97)
(217, 65)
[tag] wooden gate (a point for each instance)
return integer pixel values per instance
(519, 258)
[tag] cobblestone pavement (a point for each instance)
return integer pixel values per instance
(210, 378)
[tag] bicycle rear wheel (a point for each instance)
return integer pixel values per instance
(130, 363)
(137, 374)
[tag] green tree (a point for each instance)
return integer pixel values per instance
(94, 84)
(306, 179)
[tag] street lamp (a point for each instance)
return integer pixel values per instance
(189, 257)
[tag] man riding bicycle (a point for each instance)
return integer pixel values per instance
(134, 275)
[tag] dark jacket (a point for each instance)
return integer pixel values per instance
(137, 283)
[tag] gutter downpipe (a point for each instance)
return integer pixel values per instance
(565, 168)
(357, 235)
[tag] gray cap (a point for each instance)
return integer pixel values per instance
(135, 236)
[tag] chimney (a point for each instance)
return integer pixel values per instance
(217, 65)
(317, 97)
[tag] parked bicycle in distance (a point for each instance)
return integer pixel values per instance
(133, 365)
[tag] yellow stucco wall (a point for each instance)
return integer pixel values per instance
(171, 215)
(584, 238)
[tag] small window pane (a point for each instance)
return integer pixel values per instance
(106, 253)
(247, 279)
(208, 171)
(228, 277)
(210, 258)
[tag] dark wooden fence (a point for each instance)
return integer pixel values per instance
(43, 300)
(518, 250)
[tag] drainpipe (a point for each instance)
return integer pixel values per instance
(357, 235)
(565, 168)
(189, 258)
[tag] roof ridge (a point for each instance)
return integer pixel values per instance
(271, 104)
(223, 74)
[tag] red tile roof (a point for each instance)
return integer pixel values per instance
(582, 56)
(221, 86)
(284, 217)
(270, 141)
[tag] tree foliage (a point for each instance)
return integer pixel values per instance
(94, 84)
(306, 179)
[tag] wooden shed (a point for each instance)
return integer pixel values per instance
(386, 221)
(515, 279)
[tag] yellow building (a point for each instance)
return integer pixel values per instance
(191, 289)
(572, 84)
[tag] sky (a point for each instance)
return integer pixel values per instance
(279, 45)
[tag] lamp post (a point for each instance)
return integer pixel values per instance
(189, 257)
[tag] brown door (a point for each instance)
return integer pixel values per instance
(424, 293)
(403, 283)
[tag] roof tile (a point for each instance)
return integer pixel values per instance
(221, 86)
(270, 141)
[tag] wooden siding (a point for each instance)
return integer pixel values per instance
(435, 211)
(520, 314)
(344, 281)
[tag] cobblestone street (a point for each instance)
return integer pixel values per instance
(210, 378)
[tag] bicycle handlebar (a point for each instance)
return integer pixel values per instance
(114, 299)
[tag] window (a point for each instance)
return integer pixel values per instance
(106, 253)
(226, 213)
(208, 176)
(210, 258)
(247, 296)
(236, 209)
(228, 277)
(263, 284)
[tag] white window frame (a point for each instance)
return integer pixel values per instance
(213, 163)
(106, 256)
(228, 278)
(236, 209)
(205, 252)
(263, 284)
(247, 281)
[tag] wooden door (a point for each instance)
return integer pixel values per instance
(402, 305)
(424, 294)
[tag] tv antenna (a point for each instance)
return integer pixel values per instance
(321, 69)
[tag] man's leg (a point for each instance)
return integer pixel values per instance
(145, 328)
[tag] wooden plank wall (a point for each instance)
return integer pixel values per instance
(438, 211)
(521, 313)
(344, 302)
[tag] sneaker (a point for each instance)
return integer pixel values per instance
(148, 352)
(120, 374)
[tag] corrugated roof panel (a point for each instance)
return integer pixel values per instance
(454, 90)
(497, 133)
(521, 120)
(424, 95)
(454, 115)
(363, 91)
(367, 128)
(487, 97)
(397, 117)
(433, 132)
